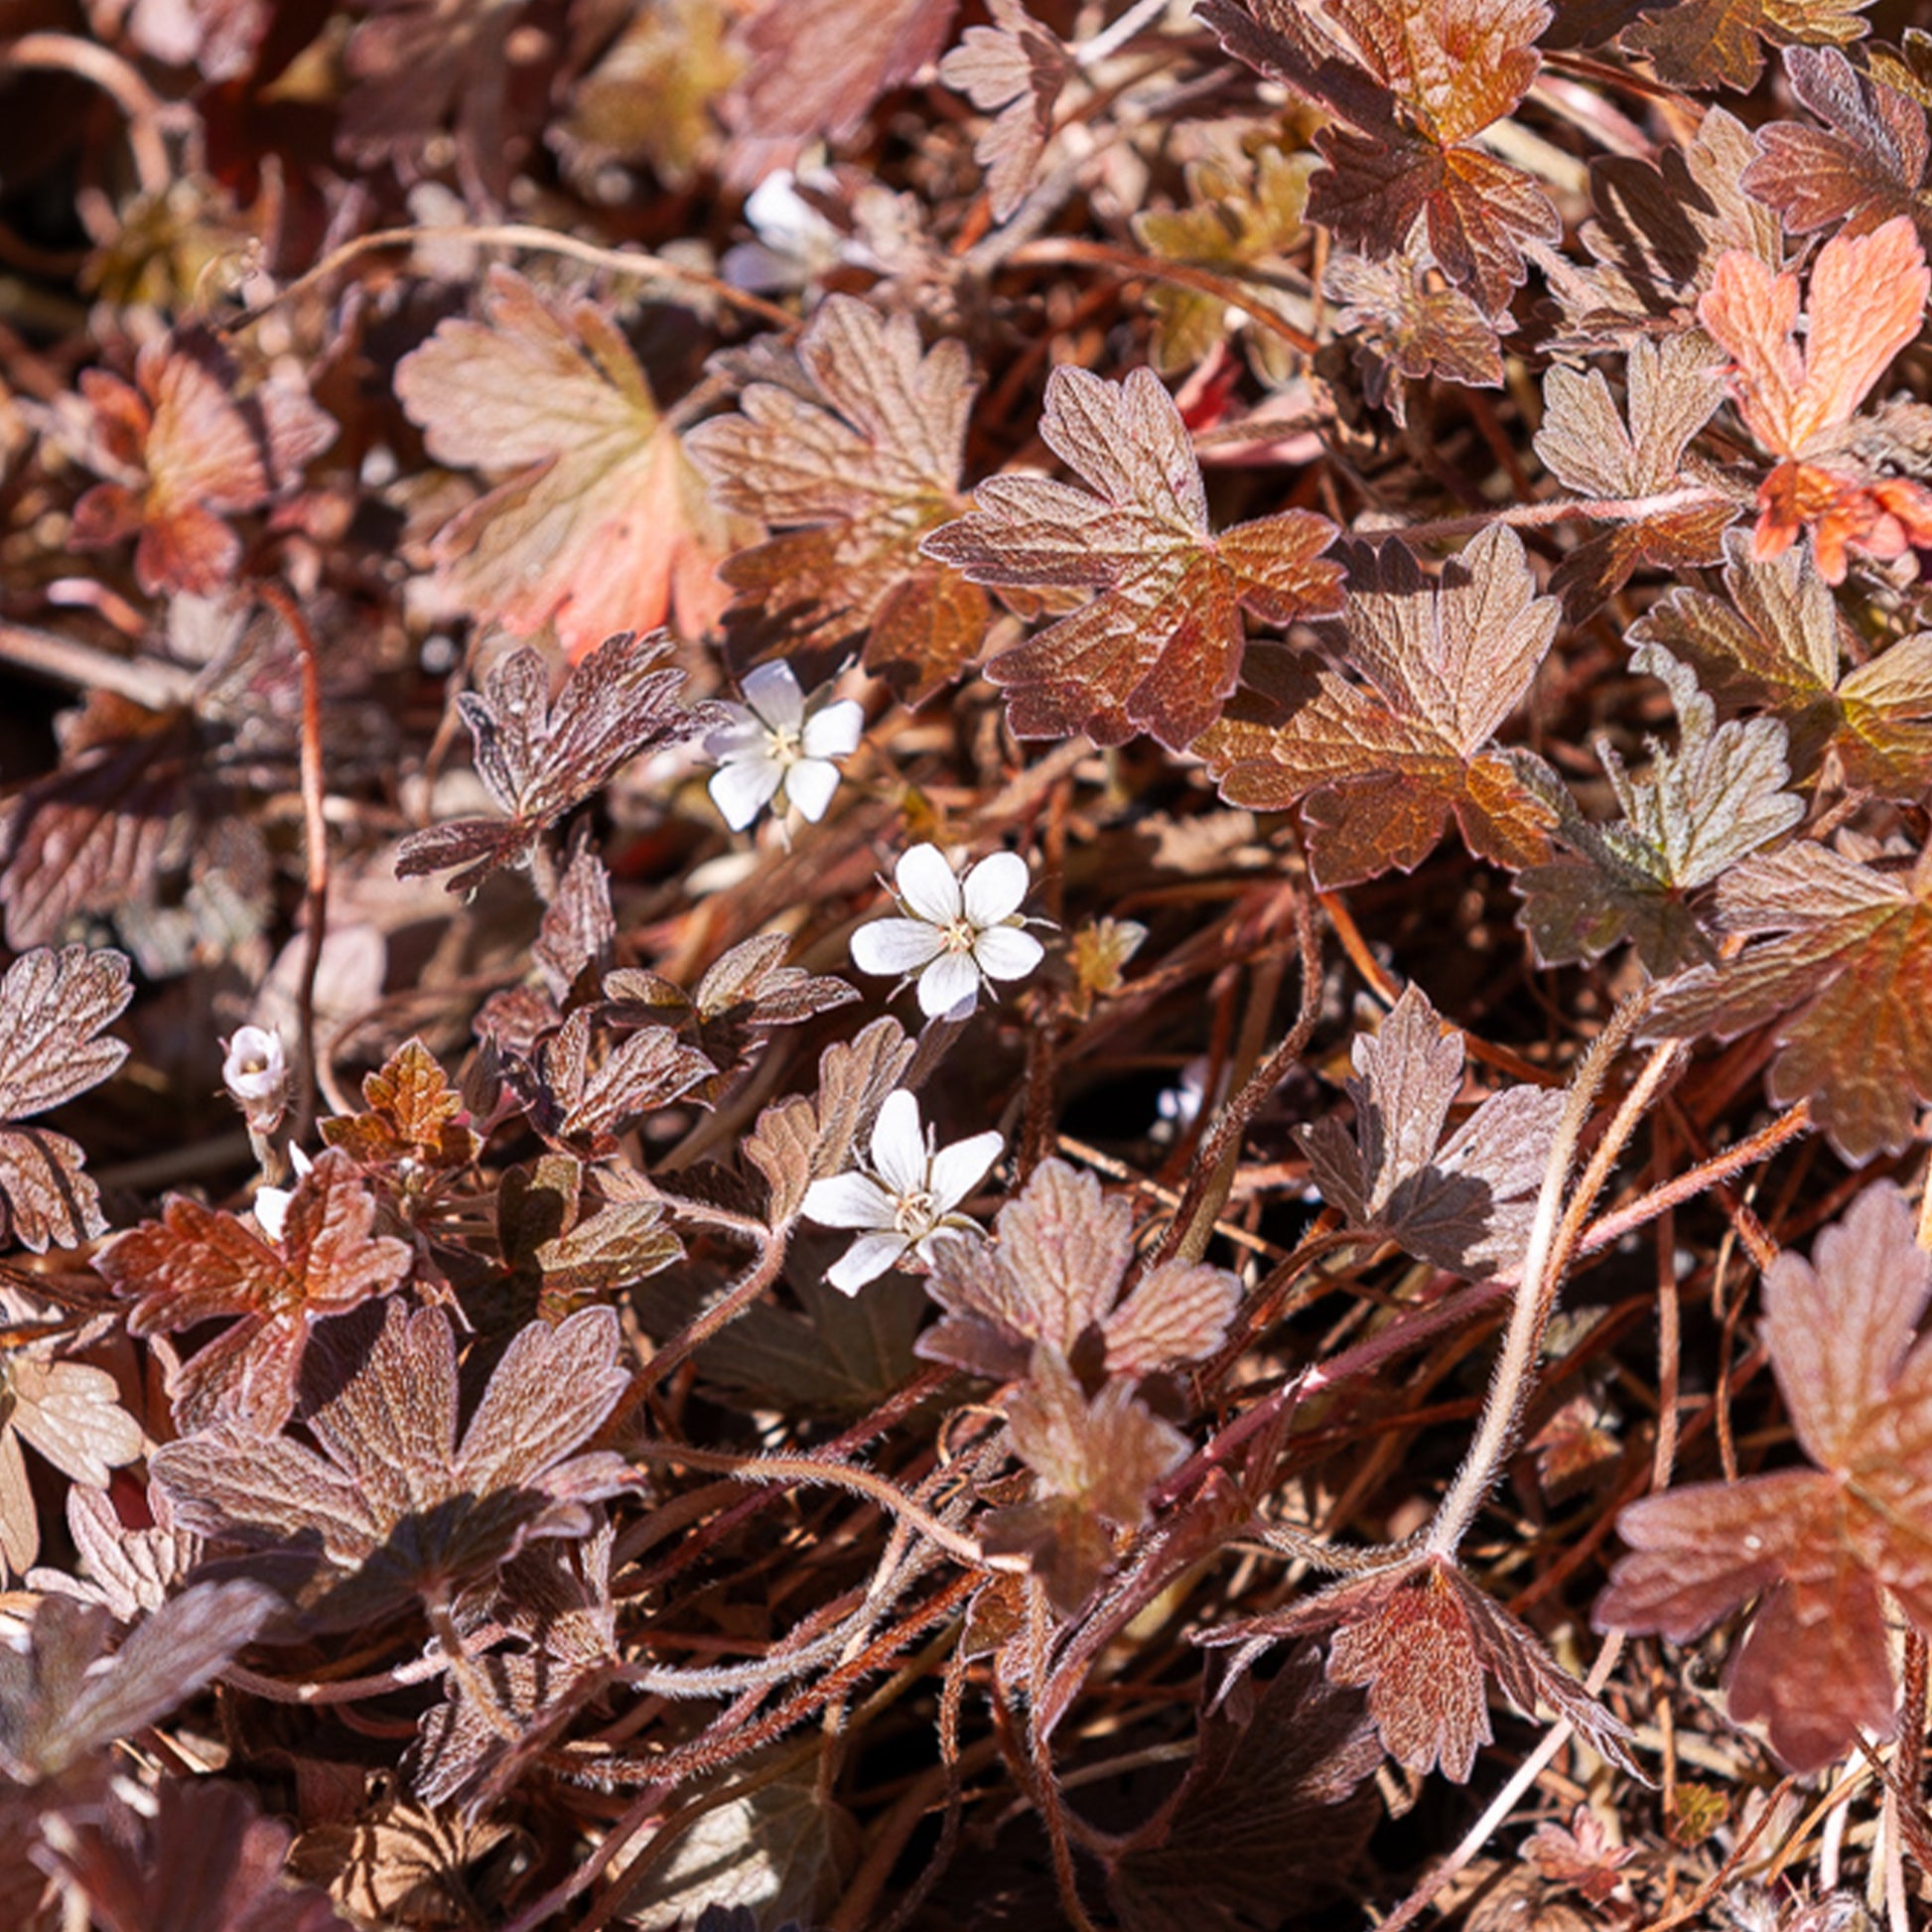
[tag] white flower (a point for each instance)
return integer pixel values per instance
(906, 1200)
(961, 934)
(256, 1074)
(796, 243)
(779, 741)
(271, 1204)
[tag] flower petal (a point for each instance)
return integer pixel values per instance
(772, 693)
(959, 1168)
(995, 886)
(849, 1200)
(894, 945)
(743, 737)
(927, 886)
(950, 981)
(866, 1260)
(834, 733)
(898, 1145)
(811, 783)
(1007, 953)
(743, 788)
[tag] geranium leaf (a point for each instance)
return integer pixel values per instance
(851, 448)
(1842, 973)
(1160, 647)
(1385, 768)
(1698, 44)
(1409, 327)
(1016, 68)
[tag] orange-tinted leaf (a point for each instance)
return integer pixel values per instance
(1160, 648)
(1862, 170)
(196, 1264)
(1776, 647)
(53, 1007)
(600, 524)
(540, 758)
(1673, 392)
(1016, 66)
(413, 1115)
(851, 448)
(1421, 1638)
(1715, 43)
(184, 453)
(1415, 86)
(1823, 1548)
(395, 1507)
(1385, 768)
(1843, 976)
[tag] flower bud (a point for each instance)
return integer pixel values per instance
(256, 1073)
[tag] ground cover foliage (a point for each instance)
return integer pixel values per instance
(965, 965)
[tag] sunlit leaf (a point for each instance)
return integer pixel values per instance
(1016, 68)
(1718, 42)
(1160, 647)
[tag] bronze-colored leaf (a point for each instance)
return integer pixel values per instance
(1018, 67)
(1701, 44)
(414, 1119)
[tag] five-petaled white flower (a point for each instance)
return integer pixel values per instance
(961, 933)
(779, 740)
(906, 1200)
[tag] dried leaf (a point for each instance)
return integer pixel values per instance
(1699, 43)
(1673, 392)
(540, 758)
(395, 1509)
(184, 453)
(1058, 1269)
(51, 1008)
(1160, 648)
(599, 523)
(1421, 1639)
(1865, 166)
(1015, 66)
(1414, 89)
(1843, 976)
(851, 448)
(1384, 769)
(198, 1264)
(1825, 1549)
(1698, 811)
(1775, 648)
(1464, 1205)
(817, 65)
(60, 1702)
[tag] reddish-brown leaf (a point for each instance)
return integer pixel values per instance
(1057, 1270)
(1842, 974)
(1160, 648)
(1777, 647)
(1018, 68)
(1385, 768)
(850, 447)
(412, 1116)
(540, 758)
(1698, 44)
(1421, 1638)
(1414, 86)
(198, 1264)
(1823, 1547)
(1860, 170)
(53, 1007)
(71, 1413)
(183, 454)
(1466, 1205)
(395, 1508)
(1408, 327)
(600, 524)
(577, 1096)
